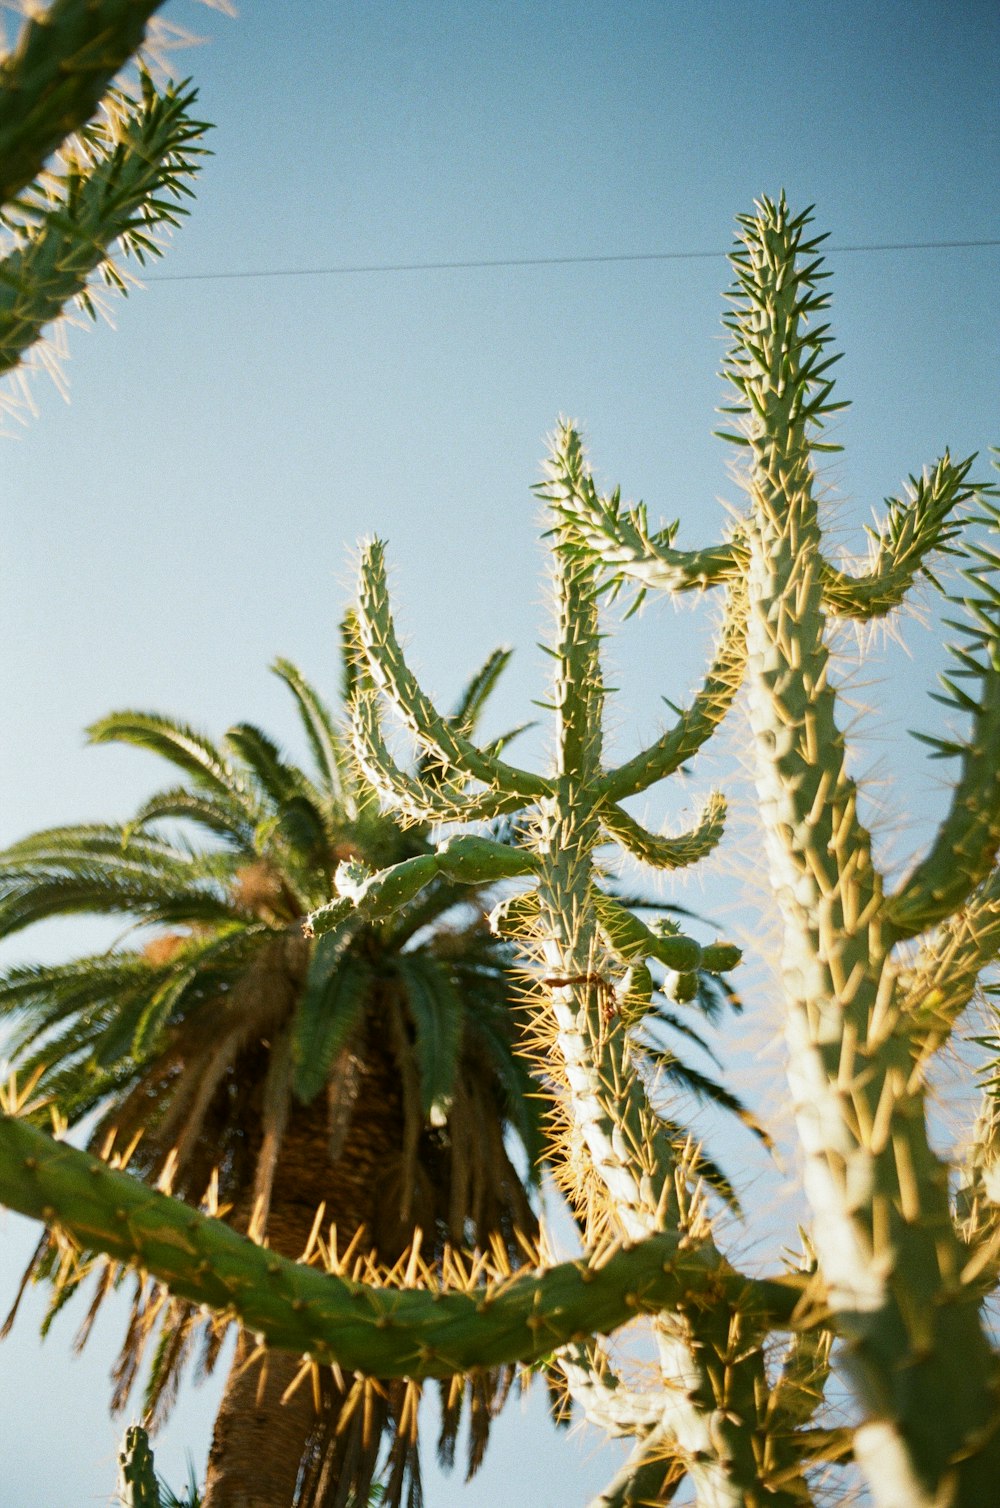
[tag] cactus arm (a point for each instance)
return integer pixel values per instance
(947, 968)
(415, 799)
(698, 721)
(115, 191)
(377, 637)
(632, 941)
(914, 528)
(137, 1484)
(645, 1476)
(364, 1327)
(662, 852)
(964, 849)
(883, 1229)
(600, 527)
(53, 81)
(466, 859)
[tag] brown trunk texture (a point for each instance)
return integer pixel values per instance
(266, 1454)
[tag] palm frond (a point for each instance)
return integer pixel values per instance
(328, 748)
(330, 1010)
(436, 1010)
(183, 746)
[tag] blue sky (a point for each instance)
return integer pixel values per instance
(193, 510)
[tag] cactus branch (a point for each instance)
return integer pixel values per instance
(389, 670)
(137, 1484)
(913, 529)
(662, 852)
(467, 860)
(645, 1476)
(417, 800)
(53, 81)
(620, 536)
(116, 190)
(697, 722)
(377, 1330)
(947, 968)
(964, 850)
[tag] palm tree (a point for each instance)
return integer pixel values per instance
(229, 1058)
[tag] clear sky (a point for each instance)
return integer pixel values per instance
(193, 510)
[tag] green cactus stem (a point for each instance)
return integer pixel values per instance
(591, 952)
(378, 1330)
(925, 1373)
(137, 1484)
(121, 183)
(53, 81)
(861, 1024)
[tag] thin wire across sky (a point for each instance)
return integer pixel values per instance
(567, 261)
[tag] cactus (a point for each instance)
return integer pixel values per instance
(372, 1327)
(875, 979)
(622, 1168)
(647, 1232)
(119, 174)
(137, 1484)
(863, 1020)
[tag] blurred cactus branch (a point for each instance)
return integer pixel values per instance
(964, 849)
(120, 184)
(137, 1484)
(647, 1474)
(53, 81)
(948, 966)
(368, 1327)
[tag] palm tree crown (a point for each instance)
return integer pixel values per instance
(231, 1058)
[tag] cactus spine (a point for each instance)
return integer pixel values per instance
(861, 1024)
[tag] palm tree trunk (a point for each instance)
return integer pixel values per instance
(266, 1454)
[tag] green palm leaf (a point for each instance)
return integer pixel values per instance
(183, 746)
(436, 1011)
(327, 746)
(331, 1009)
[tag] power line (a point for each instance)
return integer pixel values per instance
(640, 256)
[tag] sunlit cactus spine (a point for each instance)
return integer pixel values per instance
(863, 1019)
(89, 171)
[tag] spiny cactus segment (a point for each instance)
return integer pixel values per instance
(125, 160)
(862, 1023)
(137, 1484)
(414, 1323)
(53, 81)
